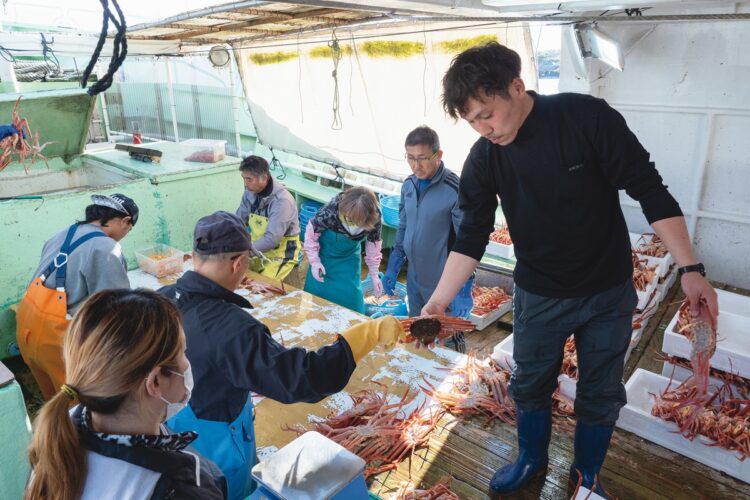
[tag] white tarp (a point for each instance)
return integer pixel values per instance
(380, 98)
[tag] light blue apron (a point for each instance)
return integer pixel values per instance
(231, 446)
(342, 259)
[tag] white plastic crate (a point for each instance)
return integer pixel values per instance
(647, 297)
(636, 417)
(482, 322)
(504, 251)
(733, 342)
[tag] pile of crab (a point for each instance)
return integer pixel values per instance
(719, 411)
(643, 274)
(488, 299)
(479, 386)
(16, 146)
(380, 432)
(439, 491)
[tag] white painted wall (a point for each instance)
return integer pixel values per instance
(685, 93)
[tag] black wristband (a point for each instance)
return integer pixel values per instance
(695, 268)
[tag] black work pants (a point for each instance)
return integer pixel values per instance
(602, 326)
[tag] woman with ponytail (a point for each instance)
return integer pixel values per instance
(125, 373)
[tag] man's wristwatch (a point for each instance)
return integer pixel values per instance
(695, 268)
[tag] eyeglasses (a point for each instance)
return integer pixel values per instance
(420, 159)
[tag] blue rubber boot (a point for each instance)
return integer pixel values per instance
(591, 444)
(534, 431)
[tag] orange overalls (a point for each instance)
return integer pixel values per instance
(42, 319)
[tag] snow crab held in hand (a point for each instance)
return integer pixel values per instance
(428, 329)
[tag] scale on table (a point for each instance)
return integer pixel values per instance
(140, 153)
(311, 467)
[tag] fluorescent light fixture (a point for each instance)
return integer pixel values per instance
(595, 44)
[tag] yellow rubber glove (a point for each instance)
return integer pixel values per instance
(362, 338)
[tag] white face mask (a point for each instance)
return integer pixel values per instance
(175, 408)
(353, 229)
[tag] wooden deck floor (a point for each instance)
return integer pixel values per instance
(470, 453)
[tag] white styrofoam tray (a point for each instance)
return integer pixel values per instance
(664, 287)
(647, 297)
(636, 417)
(504, 251)
(733, 342)
(482, 322)
(584, 493)
(662, 263)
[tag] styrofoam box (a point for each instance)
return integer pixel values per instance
(635, 239)
(636, 417)
(504, 251)
(503, 356)
(733, 342)
(585, 494)
(663, 288)
(646, 297)
(482, 322)
(503, 353)
(662, 263)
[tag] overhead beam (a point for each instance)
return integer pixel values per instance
(192, 14)
(271, 19)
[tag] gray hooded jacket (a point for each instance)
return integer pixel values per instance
(280, 208)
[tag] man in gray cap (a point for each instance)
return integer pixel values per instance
(76, 262)
(232, 354)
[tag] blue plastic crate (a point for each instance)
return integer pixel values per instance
(396, 307)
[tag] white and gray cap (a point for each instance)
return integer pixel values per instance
(118, 202)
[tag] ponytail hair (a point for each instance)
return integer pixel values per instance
(114, 340)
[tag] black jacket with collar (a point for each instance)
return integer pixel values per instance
(182, 474)
(232, 353)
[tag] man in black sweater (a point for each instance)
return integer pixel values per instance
(557, 163)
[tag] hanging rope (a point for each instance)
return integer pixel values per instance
(275, 163)
(339, 176)
(99, 45)
(7, 55)
(119, 50)
(336, 56)
(50, 59)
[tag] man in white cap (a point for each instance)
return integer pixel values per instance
(76, 262)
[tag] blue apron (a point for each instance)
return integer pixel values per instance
(231, 446)
(342, 259)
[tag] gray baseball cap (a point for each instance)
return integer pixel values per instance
(221, 232)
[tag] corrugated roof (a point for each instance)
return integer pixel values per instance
(261, 20)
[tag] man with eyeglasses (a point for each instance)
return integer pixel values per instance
(428, 221)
